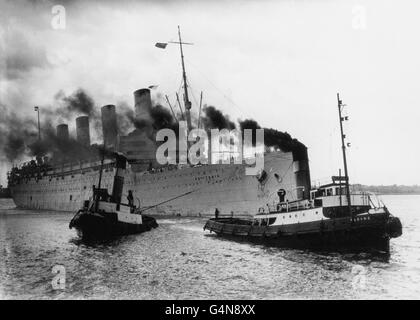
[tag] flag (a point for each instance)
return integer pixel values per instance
(161, 45)
(36, 108)
(153, 87)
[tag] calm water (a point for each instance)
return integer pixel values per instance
(180, 261)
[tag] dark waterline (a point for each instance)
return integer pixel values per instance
(180, 261)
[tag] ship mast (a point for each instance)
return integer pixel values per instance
(187, 102)
(36, 108)
(343, 146)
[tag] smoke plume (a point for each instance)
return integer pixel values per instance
(277, 139)
(19, 133)
(215, 119)
(15, 131)
(161, 118)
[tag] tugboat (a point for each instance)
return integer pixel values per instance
(333, 218)
(104, 216)
(323, 222)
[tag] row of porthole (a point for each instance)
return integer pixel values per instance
(192, 184)
(49, 188)
(207, 177)
(46, 191)
(180, 176)
(297, 215)
(361, 219)
(130, 183)
(191, 174)
(71, 198)
(164, 187)
(52, 189)
(172, 176)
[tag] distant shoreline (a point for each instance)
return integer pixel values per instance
(389, 190)
(396, 194)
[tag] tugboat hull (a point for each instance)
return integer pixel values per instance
(364, 233)
(94, 225)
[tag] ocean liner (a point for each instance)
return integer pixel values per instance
(183, 190)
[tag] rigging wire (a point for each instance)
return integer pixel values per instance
(192, 93)
(217, 89)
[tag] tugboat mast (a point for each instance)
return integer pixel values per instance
(343, 146)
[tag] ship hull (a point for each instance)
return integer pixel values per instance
(226, 187)
(340, 234)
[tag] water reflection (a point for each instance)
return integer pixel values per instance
(179, 261)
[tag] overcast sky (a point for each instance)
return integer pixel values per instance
(278, 62)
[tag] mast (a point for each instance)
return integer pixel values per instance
(343, 146)
(199, 112)
(179, 105)
(102, 166)
(187, 102)
(96, 192)
(36, 108)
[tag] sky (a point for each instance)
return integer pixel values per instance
(278, 62)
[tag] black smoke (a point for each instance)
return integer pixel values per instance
(251, 125)
(160, 118)
(19, 133)
(125, 118)
(15, 131)
(277, 139)
(79, 102)
(67, 107)
(215, 119)
(60, 150)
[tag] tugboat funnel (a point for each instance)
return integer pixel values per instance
(117, 188)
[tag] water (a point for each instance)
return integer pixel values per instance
(180, 261)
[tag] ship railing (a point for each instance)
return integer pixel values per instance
(169, 167)
(298, 205)
(66, 170)
(289, 206)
